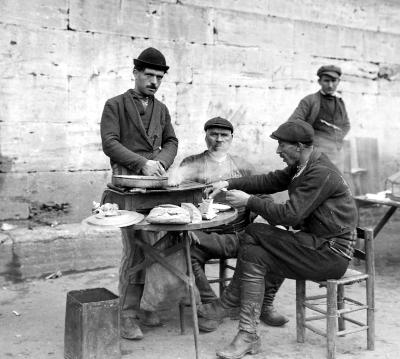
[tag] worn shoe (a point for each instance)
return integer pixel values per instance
(129, 329)
(151, 319)
(211, 315)
(243, 343)
(271, 317)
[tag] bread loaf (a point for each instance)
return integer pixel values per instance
(195, 214)
(168, 214)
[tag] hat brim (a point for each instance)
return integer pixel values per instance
(150, 65)
(225, 127)
(332, 74)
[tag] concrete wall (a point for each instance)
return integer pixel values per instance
(61, 59)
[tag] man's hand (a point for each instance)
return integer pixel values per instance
(153, 168)
(237, 198)
(216, 188)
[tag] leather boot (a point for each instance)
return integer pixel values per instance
(151, 319)
(269, 315)
(251, 295)
(207, 295)
(129, 328)
(212, 314)
(242, 344)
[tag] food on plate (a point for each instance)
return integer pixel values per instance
(221, 207)
(206, 209)
(168, 214)
(195, 215)
(105, 210)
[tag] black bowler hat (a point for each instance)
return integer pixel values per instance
(151, 58)
(330, 70)
(218, 122)
(294, 131)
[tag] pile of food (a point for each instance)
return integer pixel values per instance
(169, 214)
(186, 213)
(105, 210)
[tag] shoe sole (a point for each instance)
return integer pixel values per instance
(255, 349)
(271, 324)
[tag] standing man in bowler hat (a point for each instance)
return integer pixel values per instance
(320, 210)
(326, 112)
(138, 136)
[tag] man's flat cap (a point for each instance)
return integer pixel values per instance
(294, 131)
(330, 70)
(218, 122)
(152, 59)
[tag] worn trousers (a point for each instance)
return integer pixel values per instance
(222, 246)
(294, 255)
(130, 288)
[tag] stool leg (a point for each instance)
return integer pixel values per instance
(300, 309)
(370, 313)
(191, 289)
(340, 305)
(182, 317)
(331, 319)
(222, 275)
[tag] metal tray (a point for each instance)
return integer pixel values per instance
(133, 181)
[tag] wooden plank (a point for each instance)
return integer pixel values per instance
(367, 155)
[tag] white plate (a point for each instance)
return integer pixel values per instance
(125, 218)
(221, 207)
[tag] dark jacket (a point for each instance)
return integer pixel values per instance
(308, 110)
(125, 140)
(320, 201)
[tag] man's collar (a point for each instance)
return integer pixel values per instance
(335, 94)
(140, 96)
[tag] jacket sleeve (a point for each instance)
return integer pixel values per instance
(110, 137)
(302, 111)
(272, 182)
(313, 189)
(346, 122)
(169, 146)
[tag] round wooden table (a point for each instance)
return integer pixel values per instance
(158, 256)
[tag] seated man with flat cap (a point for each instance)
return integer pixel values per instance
(216, 164)
(320, 210)
(326, 112)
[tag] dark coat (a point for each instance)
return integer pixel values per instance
(308, 110)
(125, 140)
(320, 201)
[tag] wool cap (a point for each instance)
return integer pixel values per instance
(218, 122)
(294, 131)
(330, 70)
(151, 58)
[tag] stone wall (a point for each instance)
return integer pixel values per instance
(62, 59)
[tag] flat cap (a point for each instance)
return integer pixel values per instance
(294, 131)
(330, 70)
(218, 122)
(151, 58)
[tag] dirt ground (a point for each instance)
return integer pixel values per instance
(37, 332)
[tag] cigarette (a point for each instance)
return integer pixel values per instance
(224, 189)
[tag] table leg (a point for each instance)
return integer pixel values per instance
(384, 220)
(191, 289)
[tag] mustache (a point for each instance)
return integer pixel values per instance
(151, 87)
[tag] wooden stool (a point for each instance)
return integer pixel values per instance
(336, 312)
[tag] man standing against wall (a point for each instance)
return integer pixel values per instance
(217, 164)
(138, 136)
(326, 112)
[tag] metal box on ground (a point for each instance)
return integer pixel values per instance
(92, 325)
